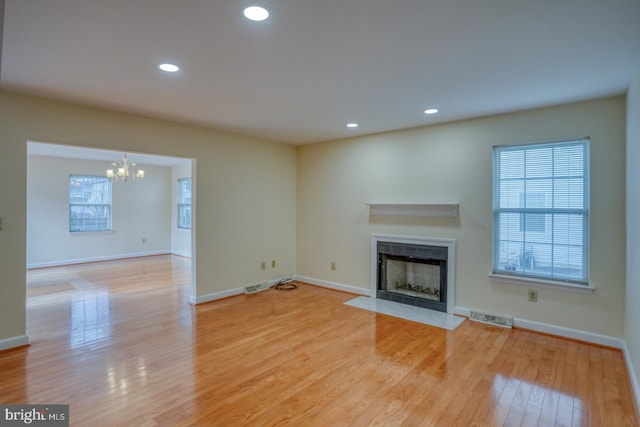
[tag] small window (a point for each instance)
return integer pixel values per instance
(541, 210)
(89, 203)
(184, 203)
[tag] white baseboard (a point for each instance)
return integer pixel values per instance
(181, 254)
(94, 259)
(13, 342)
(560, 331)
(333, 285)
(575, 334)
(195, 300)
(635, 386)
(215, 296)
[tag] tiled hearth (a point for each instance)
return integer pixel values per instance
(407, 312)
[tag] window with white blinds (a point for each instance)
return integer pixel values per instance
(541, 210)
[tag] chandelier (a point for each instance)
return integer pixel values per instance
(124, 170)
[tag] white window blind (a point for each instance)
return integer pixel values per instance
(184, 203)
(89, 203)
(541, 210)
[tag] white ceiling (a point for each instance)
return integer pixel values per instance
(316, 65)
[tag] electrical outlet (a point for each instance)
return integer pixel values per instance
(532, 295)
(273, 263)
(263, 265)
(333, 265)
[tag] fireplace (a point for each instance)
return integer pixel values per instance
(414, 271)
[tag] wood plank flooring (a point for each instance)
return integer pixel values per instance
(119, 343)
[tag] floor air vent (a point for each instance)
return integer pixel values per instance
(491, 319)
(252, 289)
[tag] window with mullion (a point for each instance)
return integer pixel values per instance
(184, 203)
(89, 203)
(541, 210)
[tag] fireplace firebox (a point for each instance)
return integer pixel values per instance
(412, 274)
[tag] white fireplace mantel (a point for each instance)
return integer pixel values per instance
(414, 209)
(450, 244)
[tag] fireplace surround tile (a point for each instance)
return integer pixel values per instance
(438, 248)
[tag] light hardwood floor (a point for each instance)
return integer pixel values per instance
(119, 343)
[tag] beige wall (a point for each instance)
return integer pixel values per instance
(246, 192)
(632, 319)
(453, 163)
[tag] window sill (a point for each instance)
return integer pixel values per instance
(89, 233)
(541, 283)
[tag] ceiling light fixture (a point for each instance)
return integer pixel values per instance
(256, 13)
(431, 111)
(124, 171)
(352, 125)
(169, 68)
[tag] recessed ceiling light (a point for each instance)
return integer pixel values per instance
(352, 125)
(169, 68)
(431, 111)
(256, 13)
